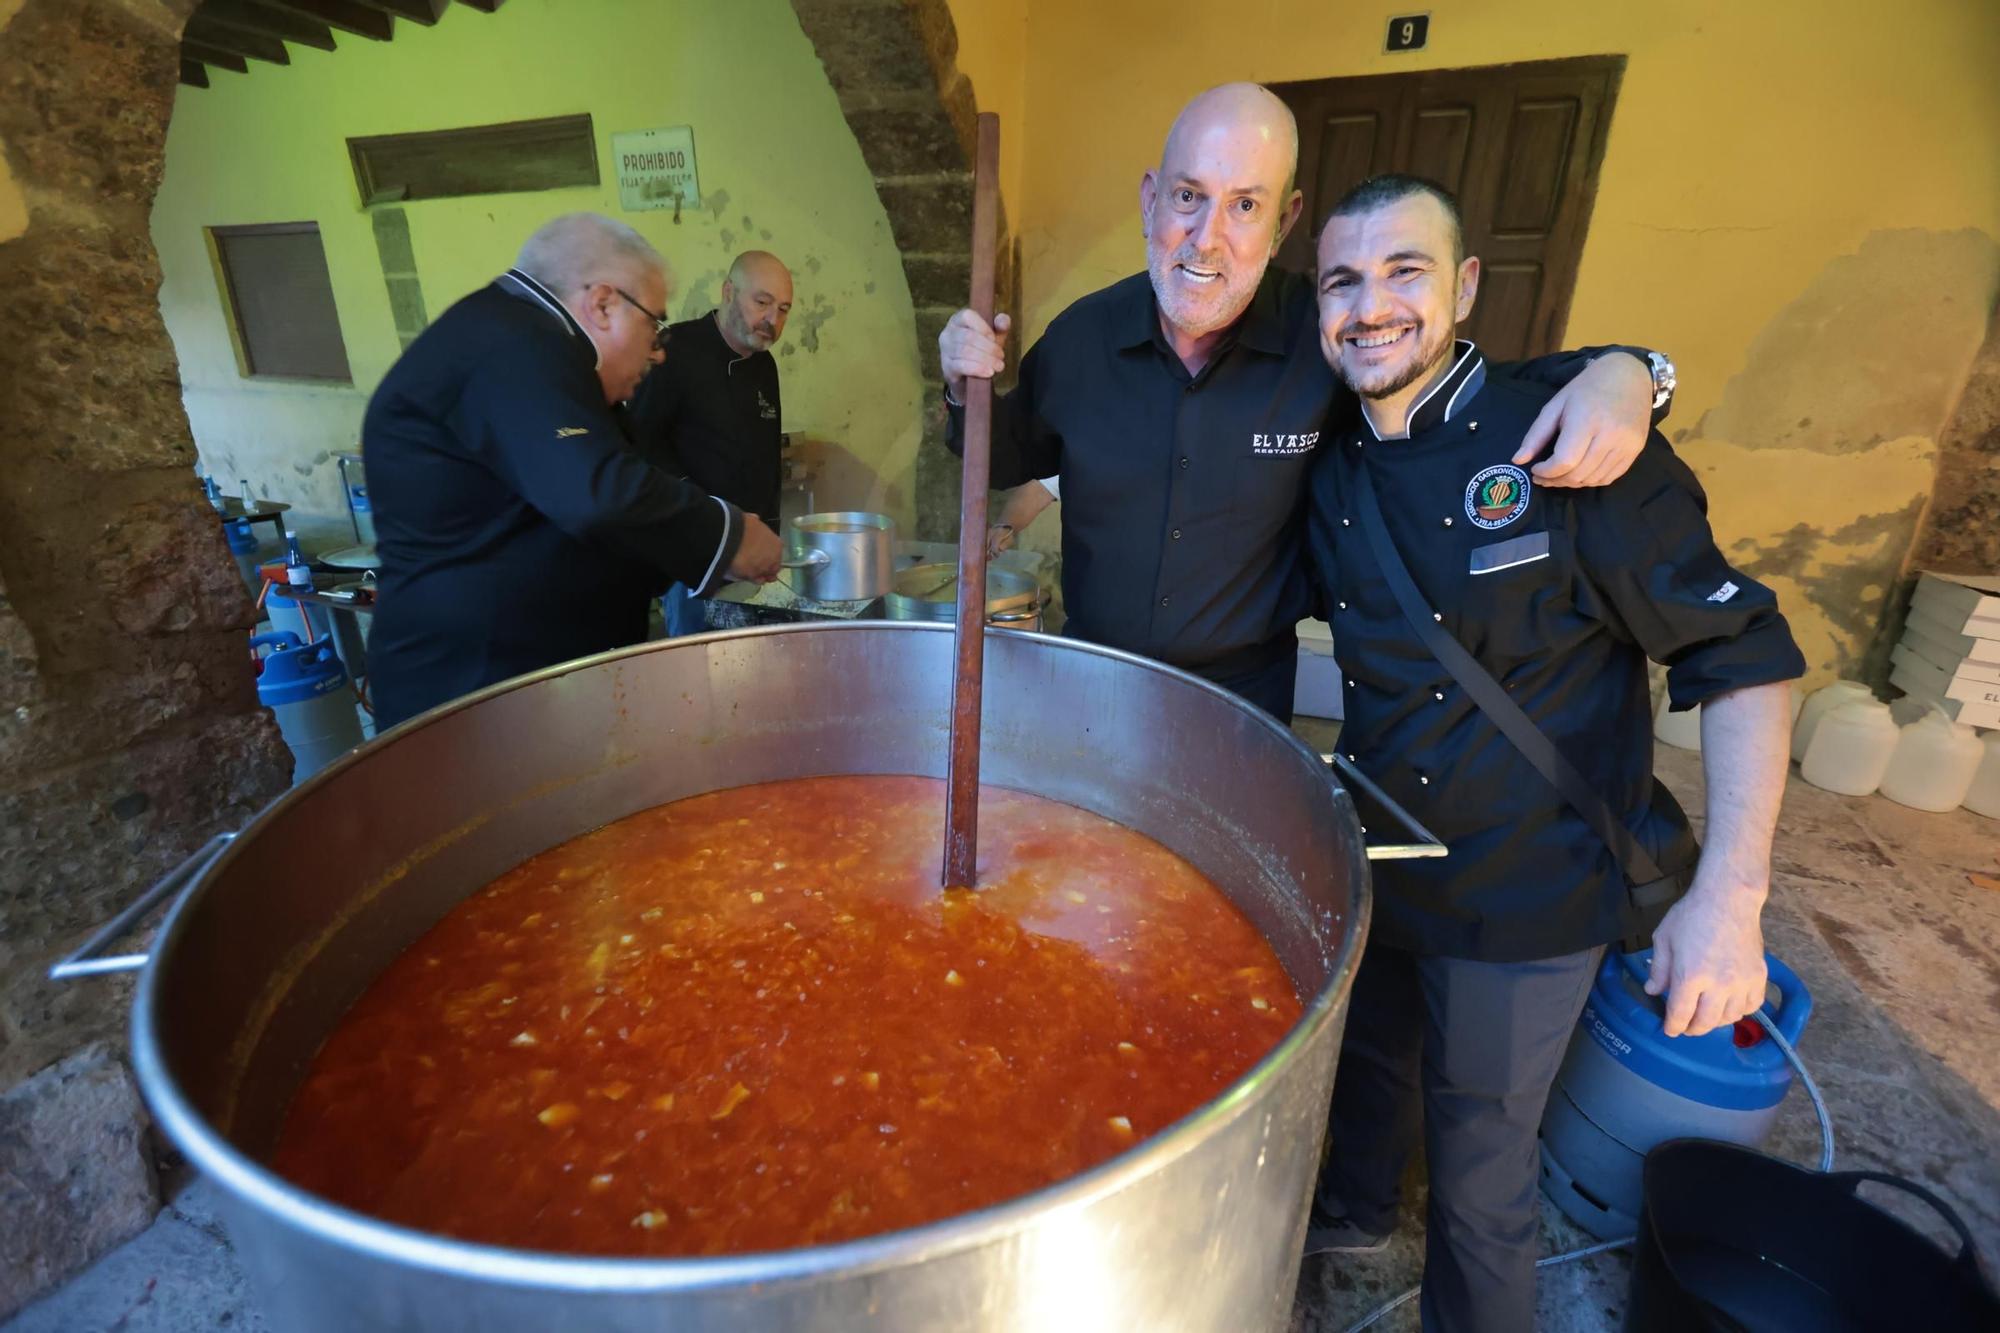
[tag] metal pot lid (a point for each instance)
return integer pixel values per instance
(1005, 588)
(352, 557)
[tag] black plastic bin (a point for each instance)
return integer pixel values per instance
(1737, 1241)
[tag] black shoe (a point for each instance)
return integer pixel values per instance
(1332, 1231)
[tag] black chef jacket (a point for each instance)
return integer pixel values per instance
(1183, 496)
(1562, 595)
(713, 417)
(515, 526)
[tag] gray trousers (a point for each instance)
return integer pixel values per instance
(1477, 1046)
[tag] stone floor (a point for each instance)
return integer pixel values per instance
(1892, 918)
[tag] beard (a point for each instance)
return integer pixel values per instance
(1195, 308)
(1428, 347)
(743, 333)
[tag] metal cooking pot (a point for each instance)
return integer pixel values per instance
(840, 557)
(930, 592)
(1197, 1228)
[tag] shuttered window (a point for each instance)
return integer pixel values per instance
(280, 302)
(520, 155)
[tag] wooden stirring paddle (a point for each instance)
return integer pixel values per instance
(961, 806)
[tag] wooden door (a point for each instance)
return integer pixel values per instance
(1520, 145)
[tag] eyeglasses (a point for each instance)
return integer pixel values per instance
(662, 331)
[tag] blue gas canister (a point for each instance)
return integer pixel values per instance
(305, 687)
(1625, 1087)
(243, 546)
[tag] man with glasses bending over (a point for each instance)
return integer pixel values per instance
(516, 526)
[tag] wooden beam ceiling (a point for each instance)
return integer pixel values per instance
(416, 11)
(346, 15)
(267, 21)
(253, 46)
(209, 55)
(231, 33)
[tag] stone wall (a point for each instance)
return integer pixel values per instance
(129, 726)
(893, 64)
(1960, 532)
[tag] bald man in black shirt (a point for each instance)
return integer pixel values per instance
(712, 413)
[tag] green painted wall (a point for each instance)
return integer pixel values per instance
(779, 169)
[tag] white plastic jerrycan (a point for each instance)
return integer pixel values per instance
(1821, 702)
(1851, 748)
(1678, 729)
(1934, 763)
(1983, 798)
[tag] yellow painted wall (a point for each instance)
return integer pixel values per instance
(993, 54)
(779, 169)
(13, 205)
(1800, 201)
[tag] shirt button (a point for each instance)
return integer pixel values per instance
(1350, 684)
(1447, 521)
(1423, 780)
(1343, 606)
(1177, 534)
(1346, 523)
(1184, 462)
(1435, 616)
(1165, 600)
(1472, 425)
(1439, 696)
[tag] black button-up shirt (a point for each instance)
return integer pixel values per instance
(1562, 595)
(516, 527)
(712, 416)
(1183, 495)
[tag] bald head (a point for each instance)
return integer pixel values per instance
(756, 298)
(1242, 119)
(1218, 205)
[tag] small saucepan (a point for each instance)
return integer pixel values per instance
(840, 557)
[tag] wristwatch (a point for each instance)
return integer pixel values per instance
(1663, 379)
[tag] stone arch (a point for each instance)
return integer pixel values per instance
(127, 732)
(893, 66)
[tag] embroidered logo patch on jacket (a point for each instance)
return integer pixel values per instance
(1497, 496)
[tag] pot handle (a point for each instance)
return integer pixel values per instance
(810, 560)
(1427, 843)
(1851, 1182)
(83, 961)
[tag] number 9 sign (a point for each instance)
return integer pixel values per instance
(1408, 32)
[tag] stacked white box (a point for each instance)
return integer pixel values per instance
(1950, 650)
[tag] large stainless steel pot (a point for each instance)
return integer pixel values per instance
(1199, 1228)
(841, 557)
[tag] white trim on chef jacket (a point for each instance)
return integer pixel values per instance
(533, 288)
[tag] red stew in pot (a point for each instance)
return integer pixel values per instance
(750, 1020)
